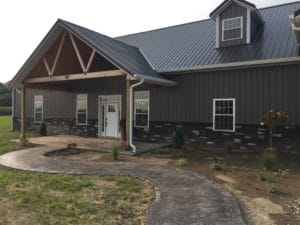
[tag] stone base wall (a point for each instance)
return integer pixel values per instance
(57, 126)
(245, 136)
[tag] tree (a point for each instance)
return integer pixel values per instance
(5, 96)
(273, 118)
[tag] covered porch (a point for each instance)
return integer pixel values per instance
(94, 77)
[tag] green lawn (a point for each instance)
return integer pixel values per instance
(33, 198)
(6, 135)
(5, 110)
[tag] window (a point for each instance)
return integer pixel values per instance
(232, 29)
(81, 109)
(224, 114)
(141, 109)
(38, 108)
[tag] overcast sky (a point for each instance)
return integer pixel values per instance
(25, 23)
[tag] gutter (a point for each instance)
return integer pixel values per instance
(156, 80)
(131, 112)
(235, 65)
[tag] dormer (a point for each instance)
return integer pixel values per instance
(237, 23)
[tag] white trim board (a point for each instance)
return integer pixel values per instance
(34, 108)
(119, 100)
(241, 27)
(233, 113)
(148, 100)
(87, 109)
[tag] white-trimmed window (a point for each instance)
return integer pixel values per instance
(38, 108)
(141, 109)
(224, 114)
(232, 29)
(81, 109)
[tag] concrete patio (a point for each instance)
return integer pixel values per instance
(90, 143)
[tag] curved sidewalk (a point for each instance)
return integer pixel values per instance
(183, 197)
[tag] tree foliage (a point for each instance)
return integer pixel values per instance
(5, 96)
(273, 118)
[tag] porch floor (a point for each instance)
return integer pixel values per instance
(92, 143)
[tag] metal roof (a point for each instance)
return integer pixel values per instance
(126, 57)
(192, 45)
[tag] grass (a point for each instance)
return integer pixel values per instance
(42, 199)
(34, 198)
(6, 135)
(5, 110)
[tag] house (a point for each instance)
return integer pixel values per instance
(213, 77)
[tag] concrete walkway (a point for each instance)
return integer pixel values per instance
(183, 197)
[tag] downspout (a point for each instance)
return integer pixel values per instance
(131, 112)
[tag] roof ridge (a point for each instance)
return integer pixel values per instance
(162, 28)
(82, 27)
(198, 21)
(279, 5)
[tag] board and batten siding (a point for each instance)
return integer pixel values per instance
(191, 101)
(255, 90)
(62, 104)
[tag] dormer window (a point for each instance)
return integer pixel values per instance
(232, 29)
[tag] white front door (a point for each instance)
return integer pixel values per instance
(112, 120)
(109, 115)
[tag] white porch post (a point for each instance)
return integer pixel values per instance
(23, 114)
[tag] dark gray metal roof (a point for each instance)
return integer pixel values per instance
(192, 45)
(126, 57)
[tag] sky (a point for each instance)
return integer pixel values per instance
(25, 23)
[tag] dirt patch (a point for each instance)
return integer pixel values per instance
(94, 156)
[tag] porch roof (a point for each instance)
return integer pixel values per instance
(126, 57)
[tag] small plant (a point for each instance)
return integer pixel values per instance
(43, 129)
(272, 188)
(261, 175)
(217, 163)
(181, 162)
(269, 160)
(178, 141)
(228, 146)
(273, 118)
(115, 152)
(283, 172)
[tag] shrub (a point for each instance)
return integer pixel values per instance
(178, 141)
(115, 152)
(228, 146)
(272, 188)
(181, 162)
(261, 175)
(269, 160)
(217, 163)
(43, 129)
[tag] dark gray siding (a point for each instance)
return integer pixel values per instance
(255, 91)
(234, 11)
(58, 104)
(255, 26)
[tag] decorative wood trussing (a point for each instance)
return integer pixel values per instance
(51, 71)
(80, 76)
(90, 61)
(85, 68)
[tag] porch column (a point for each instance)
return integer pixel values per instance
(127, 109)
(23, 114)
